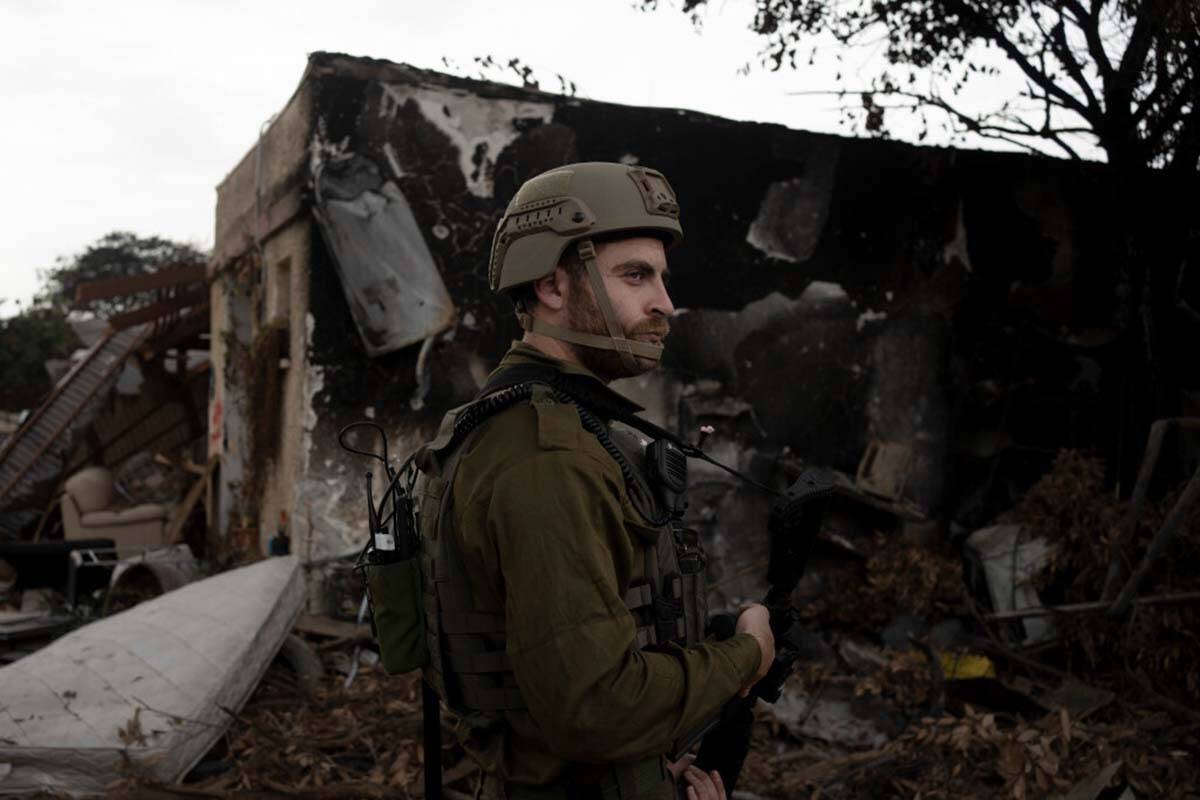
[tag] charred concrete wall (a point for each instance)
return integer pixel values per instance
(957, 307)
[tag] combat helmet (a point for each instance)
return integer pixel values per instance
(569, 206)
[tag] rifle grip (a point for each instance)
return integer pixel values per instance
(721, 626)
(726, 746)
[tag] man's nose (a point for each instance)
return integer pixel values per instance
(660, 303)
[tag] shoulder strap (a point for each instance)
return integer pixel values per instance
(584, 391)
(593, 396)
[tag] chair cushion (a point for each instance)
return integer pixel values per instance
(128, 516)
(91, 488)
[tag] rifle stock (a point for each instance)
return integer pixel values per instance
(795, 521)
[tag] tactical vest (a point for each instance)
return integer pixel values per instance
(468, 666)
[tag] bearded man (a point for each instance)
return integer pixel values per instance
(567, 614)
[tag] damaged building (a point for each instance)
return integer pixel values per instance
(993, 605)
(933, 324)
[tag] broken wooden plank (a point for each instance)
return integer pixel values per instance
(1154, 444)
(189, 502)
(162, 308)
(1180, 512)
(186, 331)
(131, 284)
(1086, 608)
(71, 396)
(322, 625)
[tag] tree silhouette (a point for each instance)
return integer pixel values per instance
(1122, 74)
(116, 254)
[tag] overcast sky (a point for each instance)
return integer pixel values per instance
(124, 115)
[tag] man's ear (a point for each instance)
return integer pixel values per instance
(551, 290)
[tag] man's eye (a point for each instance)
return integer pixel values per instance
(637, 273)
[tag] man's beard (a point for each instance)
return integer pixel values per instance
(583, 315)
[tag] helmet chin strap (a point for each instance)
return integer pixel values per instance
(626, 348)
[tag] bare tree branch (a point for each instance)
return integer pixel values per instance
(1058, 37)
(1138, 48)
(970, 123)
(993, 33)
(1089, 23)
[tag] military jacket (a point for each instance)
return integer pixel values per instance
(543, 524)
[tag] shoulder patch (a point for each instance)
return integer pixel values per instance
(558, 426)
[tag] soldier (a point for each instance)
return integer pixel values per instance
(567, 619)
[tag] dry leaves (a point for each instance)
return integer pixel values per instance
(900, 578)
(131, 732)
(1072, 508)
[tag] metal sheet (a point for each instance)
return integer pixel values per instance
(390, 279)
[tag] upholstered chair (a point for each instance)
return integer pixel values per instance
(86, 514)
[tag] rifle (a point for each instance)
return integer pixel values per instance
(794, 522)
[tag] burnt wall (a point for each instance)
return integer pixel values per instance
(964, 304)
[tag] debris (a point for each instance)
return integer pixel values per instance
(861, 657)
(847, 487)
(1077, 698)
(148, 575)
(1085, 608)
(1137, 501)
(835, 715)
(19, 625)
(131, 732)
(897, 578)
(793, 212)
(88, 512)
(966, 666)
(895, 634)
(391, 281)
(1073, 508)
(40, 601)
(48, 565)
(33, 457)
(304, 661)
(883, 470)
(171, 671)
(1090, 788)
(344, 591)
(1179, 512)
(1005, 563)
(323, 626)
(950, 634)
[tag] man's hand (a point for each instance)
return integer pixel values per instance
(756, 621)
(703, 785)
(699, 784)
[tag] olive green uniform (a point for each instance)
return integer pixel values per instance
(545, 529)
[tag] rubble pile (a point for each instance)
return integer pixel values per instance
(1072, 510)
(1106, 706)
(898, 575)
(912, 686)
(987, 754)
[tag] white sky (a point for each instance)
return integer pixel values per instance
(124, 115)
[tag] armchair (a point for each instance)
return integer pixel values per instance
(86, 515)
